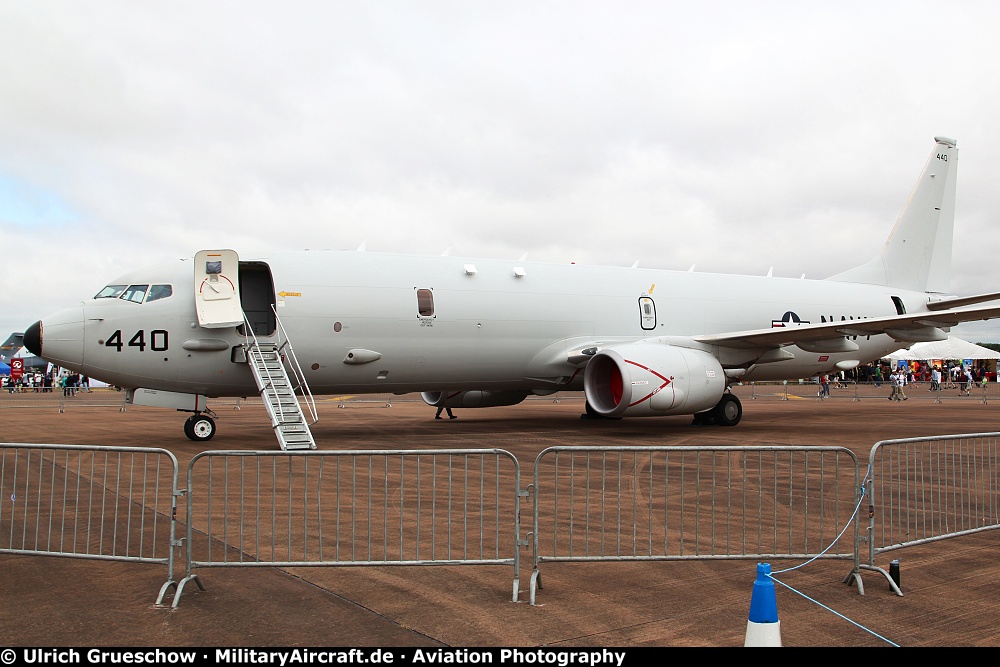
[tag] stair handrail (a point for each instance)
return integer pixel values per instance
(254, 349)
(298, 374)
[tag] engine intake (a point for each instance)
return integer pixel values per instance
(649, 379)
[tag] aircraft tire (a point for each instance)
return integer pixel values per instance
(728, 411)
(199, 428)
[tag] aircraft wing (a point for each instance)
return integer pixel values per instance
(908, 328)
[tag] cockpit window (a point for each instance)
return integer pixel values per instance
(159, 292)
(110, 292)
(134, 293)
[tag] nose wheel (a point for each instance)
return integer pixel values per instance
(199, 427)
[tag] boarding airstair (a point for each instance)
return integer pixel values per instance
(281, 392)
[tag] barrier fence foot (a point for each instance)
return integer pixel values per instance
(170, 583)
(180, 588)
(534, 584)
(893, 586)
(854, 577)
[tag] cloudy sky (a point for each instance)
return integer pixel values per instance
(733, 136)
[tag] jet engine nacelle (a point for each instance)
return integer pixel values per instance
(472, 399)
(650, 379)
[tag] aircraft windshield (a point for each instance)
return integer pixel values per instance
(111, 292)
(136, 293)
(159, 292)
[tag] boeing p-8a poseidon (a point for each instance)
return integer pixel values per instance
(479, 333)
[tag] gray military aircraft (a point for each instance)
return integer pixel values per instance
(13, 348)
(477, 333)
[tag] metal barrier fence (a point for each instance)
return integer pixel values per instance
(58, 399)
(107, 503)
(926, 489)
(413, 507)
(109, 397)
(693, 502)
(858, 391)
(462, 507)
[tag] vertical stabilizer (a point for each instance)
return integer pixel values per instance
(917, 254)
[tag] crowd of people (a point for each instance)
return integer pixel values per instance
(68, 382)
(940, 376)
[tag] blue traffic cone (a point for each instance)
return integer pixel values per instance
(763, 626)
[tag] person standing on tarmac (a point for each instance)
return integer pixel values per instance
(824, 386)
(437, 415)
(899, 384)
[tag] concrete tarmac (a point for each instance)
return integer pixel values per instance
(950, 586)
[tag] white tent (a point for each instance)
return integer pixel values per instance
(952, 348)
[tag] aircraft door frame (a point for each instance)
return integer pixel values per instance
(647, 313)
(258, 298)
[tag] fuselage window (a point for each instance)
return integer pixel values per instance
(157, 292)
(134, 293)
(111, 292)
(425, 303)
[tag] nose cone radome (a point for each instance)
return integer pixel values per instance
(33, 339)
(58, 338)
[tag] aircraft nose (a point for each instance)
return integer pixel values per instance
(58, 338)
(33, 339)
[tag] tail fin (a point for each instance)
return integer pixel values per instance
(917, 254)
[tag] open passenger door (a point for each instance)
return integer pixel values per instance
(216, 289)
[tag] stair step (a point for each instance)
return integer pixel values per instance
(291, 430)
(282, 404)
(292, 442)
(298, 446)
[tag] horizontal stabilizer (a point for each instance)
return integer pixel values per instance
(959, 301)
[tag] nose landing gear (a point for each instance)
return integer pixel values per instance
(200, 427)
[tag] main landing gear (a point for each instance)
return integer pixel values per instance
(727, 412)
(199, 427)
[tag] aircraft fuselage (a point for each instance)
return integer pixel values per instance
(443, 323)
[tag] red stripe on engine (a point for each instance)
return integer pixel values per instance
(648, 396)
